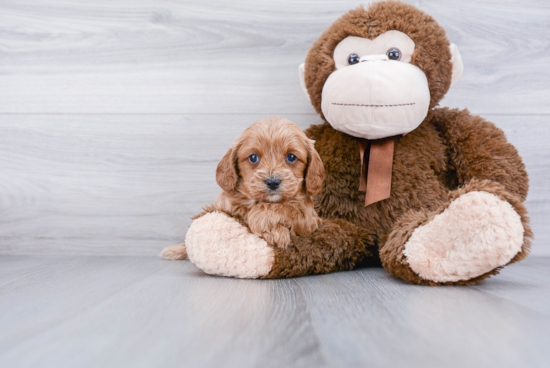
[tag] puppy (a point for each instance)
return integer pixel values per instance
(268, 179)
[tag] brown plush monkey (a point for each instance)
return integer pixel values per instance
(434, 194)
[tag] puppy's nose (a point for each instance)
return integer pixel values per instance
(272, 183)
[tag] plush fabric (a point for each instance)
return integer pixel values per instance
(379, 46)
(392, 251)
(458, 66)
(219, 245)
(432, 48)
(475, 234)
(376, 99)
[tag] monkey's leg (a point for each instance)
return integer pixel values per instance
(480, 229)
(220, 245)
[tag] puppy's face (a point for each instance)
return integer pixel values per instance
(273, 161)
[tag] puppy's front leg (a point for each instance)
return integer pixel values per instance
(278, 236)
(303, 220)
(269, 225)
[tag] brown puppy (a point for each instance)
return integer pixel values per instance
(269, 177)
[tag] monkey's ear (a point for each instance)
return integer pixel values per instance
(302, 72)
(315, 174)
(226, 173)
(458, 67)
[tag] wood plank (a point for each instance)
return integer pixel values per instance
(127, 184)
(526, 283)
(162, 56)
(50, 290)
(174, 315)
(177, 316)
(368, 318)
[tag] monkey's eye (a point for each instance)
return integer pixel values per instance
(291, 158)
(353, 59)
(394, 54)
(253, 159)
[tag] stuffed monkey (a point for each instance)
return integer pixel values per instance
(433, 194)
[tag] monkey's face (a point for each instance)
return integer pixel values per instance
(376, 82)
(375, 92)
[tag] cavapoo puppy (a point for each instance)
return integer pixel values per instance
(269, 177)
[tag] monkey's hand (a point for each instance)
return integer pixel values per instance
(220, 245)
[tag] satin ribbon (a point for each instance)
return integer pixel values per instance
(376, 168)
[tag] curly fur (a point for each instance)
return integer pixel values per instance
(274, 215)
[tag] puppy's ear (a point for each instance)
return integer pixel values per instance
(315, 174)
(226, 173)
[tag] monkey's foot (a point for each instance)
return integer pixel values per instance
(219, 245)
(476, 233)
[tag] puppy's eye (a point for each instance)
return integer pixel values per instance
(353, 59)
(291, 158)
(253, 159)
(394, 54)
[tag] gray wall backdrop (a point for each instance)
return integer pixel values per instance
(114, 114)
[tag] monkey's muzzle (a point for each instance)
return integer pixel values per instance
(376, 98)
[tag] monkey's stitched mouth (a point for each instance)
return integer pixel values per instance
(367, 105)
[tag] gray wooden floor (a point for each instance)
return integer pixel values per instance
(86, 311)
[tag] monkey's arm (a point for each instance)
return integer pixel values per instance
(221, 245)
(478, 149)
(336, 245)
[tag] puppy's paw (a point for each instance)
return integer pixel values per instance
(279, 236)
(310, 227)
(174, 252)
(269, 238)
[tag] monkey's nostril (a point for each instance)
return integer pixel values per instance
(273, 184)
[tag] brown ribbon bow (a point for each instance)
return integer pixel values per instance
(376, 168)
